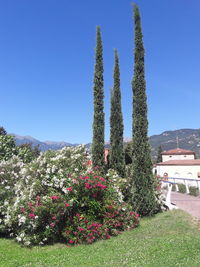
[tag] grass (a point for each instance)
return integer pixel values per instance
(168, 239)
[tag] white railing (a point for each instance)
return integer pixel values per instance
(186, 181)
(170, 181)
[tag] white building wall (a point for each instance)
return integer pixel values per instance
(179, 171)
(176, 157)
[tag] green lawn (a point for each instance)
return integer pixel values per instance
(168, 239)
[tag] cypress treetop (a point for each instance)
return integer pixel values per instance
(98, 100)
(117, 161)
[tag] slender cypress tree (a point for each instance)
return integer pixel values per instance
(142, 192)
(117, 161)
(98, 94)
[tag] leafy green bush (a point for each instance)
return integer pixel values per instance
(194, 191)
(7, 147)
(182, 188)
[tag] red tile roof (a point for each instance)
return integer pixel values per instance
(178, 151)
(185, 162)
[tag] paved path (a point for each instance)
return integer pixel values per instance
(187, 203)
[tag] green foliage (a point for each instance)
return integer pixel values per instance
(182, 188)
(98, 99)
(116, 159)
(2, 131)
(128, 151)
(7, 147)
(194, 191)
(143, 197)
(27, 153)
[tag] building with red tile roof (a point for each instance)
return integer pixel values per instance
(179, 163)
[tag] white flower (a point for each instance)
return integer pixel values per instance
(18, 238)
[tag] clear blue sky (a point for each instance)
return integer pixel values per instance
(47, 64)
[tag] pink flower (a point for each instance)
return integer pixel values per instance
(37, 198)
(101, 186)
(55, 197)
(52, 224)
(71, 241)
(108, 236)
(54, 218)
(69, 188)
(32, 215)
(88, 186)
(81, 229)
(66, 205)
(22, 210)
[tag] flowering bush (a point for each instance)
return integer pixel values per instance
(56, 197)
(9, 175)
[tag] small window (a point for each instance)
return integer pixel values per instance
(170, 156)
(198, 174)
(185, 156)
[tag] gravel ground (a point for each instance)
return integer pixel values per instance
(187, 203)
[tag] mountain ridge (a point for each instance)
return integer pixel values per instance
(187, 139)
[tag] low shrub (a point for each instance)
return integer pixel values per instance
(194, 191)
(182, 188)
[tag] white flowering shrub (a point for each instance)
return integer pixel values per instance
(9, 177)
(57, 197)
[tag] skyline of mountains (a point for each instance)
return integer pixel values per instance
(187, 139)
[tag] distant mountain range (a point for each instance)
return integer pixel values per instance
(187, 139)
(43, 146)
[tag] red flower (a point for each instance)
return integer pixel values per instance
(69, 189)
(22, 210)
(32, 215)
(88, 186)
(71, 241)
(66, 205)
(55, 197)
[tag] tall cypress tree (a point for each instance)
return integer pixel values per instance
(116, 159)
(98, 94)
(142, 192)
